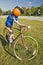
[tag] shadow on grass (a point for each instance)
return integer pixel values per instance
(4, 44)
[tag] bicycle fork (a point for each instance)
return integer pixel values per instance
(23, 43)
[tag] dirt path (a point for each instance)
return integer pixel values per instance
(32, 17)
(28, 17)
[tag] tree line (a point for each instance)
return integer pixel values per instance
(33, 11)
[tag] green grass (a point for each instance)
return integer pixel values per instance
(8, 58)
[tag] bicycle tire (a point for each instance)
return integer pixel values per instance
(18, 57)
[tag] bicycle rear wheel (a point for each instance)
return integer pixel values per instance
(20, 51)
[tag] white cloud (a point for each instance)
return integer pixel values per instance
(17, 0)
(29, 3)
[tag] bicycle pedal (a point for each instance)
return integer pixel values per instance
(26, 48)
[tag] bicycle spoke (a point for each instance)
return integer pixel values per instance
(21, 53)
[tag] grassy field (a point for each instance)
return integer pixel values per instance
(8, 58)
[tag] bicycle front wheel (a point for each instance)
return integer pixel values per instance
(21, 53)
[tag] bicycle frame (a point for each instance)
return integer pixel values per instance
(20, 34)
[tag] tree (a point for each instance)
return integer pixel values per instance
(33, 10)
(28, 11)
(24, 9)
(7, 12)
(41, 9)
(1, 11)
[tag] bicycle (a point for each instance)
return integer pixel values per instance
(19, 51)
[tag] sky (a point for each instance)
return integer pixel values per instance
(10, 4)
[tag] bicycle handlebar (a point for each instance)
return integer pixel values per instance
(23, 27)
